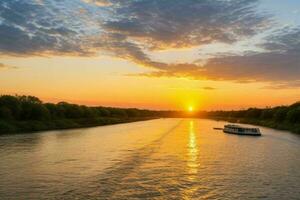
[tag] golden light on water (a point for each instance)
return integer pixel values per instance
(192, 150)
(192, 160)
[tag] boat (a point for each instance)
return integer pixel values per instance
(217, 128)
(239, 130)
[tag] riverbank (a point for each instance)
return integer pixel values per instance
(20, 114)
(15, 127)
(295, 128)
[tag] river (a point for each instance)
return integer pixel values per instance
(156, 159)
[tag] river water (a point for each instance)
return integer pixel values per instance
(156, 159)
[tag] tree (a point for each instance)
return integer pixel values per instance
(132, 112)
(280, 114)
(267, 114)
(293, 115)
(104, 112)
(39, 112)
(12, 103)
(117, 112)
(5, 113)
(29, 99)
(53, 110)
(253, 113)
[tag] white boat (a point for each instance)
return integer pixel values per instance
(239, 130)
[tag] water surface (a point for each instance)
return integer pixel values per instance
(157, 159)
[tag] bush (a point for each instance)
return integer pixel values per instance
(293, 115)
(6, 127)
(280, 114)
(5, 113)
(12, 103)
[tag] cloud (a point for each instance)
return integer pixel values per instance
(42, 27)
(185, 23)
(32, 27)
(279, 63)
(209, 88)
(283, 85)
(130, 29)
(141, 26)
(98, 2)
(4, 66)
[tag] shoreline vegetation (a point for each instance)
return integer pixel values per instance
(280, 117)
(25, 114)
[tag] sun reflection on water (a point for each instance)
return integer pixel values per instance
(192, 162)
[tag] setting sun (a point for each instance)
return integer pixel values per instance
(191, 108)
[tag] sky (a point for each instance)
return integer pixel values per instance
(155, 54)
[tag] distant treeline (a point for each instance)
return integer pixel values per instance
(281, 117)
(28, 113)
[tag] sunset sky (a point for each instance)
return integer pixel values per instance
(156, 54)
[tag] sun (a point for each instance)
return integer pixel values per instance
(191, 108)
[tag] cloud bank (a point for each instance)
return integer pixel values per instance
(130, 29)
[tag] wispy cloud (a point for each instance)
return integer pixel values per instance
(283, 85)
(280, 62)
(98, 2)
(4, 66)
(208, 88)
(130, 29)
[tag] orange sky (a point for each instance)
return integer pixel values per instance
(104, 81)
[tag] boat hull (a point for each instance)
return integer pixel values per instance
(247, 134)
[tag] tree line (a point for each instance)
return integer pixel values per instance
(29, 113)
(32, 108)
(281, 117)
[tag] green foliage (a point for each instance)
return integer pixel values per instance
(28, 113)
(6, 127)
(267, 114)
(293, 115)
(280, 114)
(132, 112)
(283, 117)
(253, 113)
(12, 103)
(6, 113)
